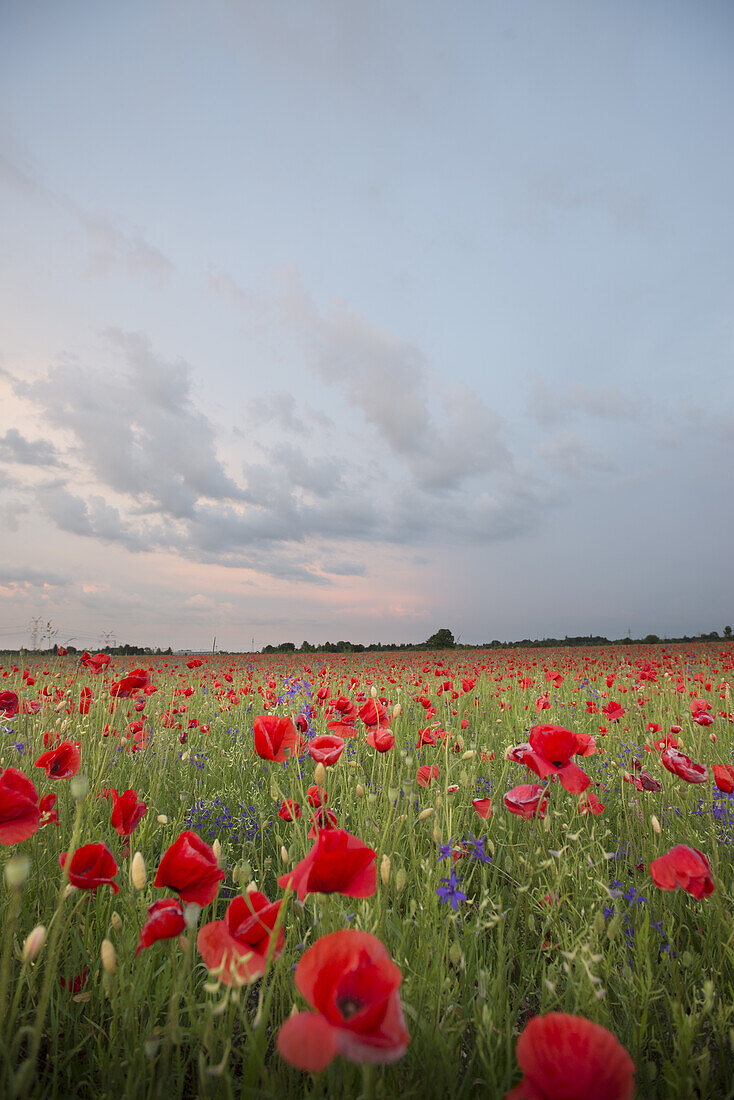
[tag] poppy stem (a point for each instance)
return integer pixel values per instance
(368, 1081)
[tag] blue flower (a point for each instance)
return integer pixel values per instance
(450, 892)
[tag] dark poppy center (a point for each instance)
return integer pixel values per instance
(348, 1006)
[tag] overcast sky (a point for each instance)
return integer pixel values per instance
(355, 319)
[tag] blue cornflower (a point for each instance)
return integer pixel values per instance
(444, 850)
(476, 850)
(450, 892)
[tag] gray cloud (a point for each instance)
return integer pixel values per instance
(139, 432)
(14, 447)
(282, 410)
(20, 576)
(112, 247)
(389, 381)
(90, 519)
(554, 404)
(571, 455)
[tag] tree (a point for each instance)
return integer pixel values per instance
(442, 639)
(727, 632)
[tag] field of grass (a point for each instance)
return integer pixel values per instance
(490, 920)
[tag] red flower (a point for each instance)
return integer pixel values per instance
(321, 818)
(137, 680)
(190, 868)
(483, 806)
(525, 800)
(613, 710)
(326, 749)
(682, 766)
(273, 736)
(352, 983)
(195, 662)
(289, 810)
(338, 863)
(165, 920)
(373, 713)
(237, 947)
(683, 867)
(19, 809)
(316, 795)
(570, 1058)
(381, 738)
(48, 812)
(426, 773)
(127, 812)
(91, 866)
(549, 752)
(61, 762)
(85, 701)
(590, 804)
(8, 704)
(724, 777)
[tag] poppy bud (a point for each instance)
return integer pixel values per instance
(468, 755)
(33, 943)
(426, 813)
(319, 773)
(217, 849)
(400, 879)
(191, 913)
(116, 921)
(655, 824)
(397, 710)
(183, 944)
(455, 954)
(385, 870)
(284, 854)
(69, 889)
(17, 870)
(79, 787)
(162, 819)
(360, 791)
(138, 875)
(109, 957)
(373, 691)
(437, 837)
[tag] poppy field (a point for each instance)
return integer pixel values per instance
(464, 873)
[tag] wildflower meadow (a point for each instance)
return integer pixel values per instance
(467, 873)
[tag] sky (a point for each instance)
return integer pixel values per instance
(355, 319)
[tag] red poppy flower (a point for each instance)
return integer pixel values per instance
(326, 749)
(49, 813)
(91, 866)
(570, 1058)
(613, 710)
(381, 738)
(61, 762)
(165, 920)
(127, 812)
(724, 777)
(525, 800)
(19, 809)
(483, 806)
(195, 662)
(273, 736)
(426, 773)
(549, 752)
(190, 868)
(77, 983)
(237, 947)
(426, 737)
(352, 983)
(8, 704)
(96, 663)
(85, 701)
(289, 810)
(373, 713)
(316, 795)
(682, 766)
(683, 867)
(137, 680)
(590, 804)
(321, 818)
(338, 863)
